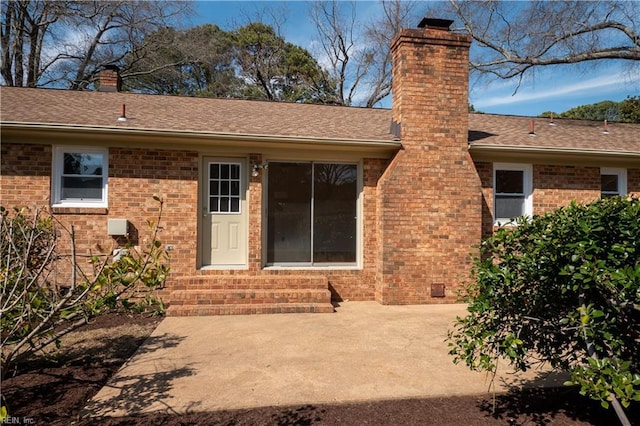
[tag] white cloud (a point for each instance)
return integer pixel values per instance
(603, 84)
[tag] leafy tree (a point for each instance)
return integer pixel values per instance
(251, 62)
(630, 110)
(277, 70)
(473, 109)
(562, 289)
(201, 63)
(35, 309)
(627, 111)
(66, 43)
(605, 110)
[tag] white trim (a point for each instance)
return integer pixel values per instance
(357, 264)
(527, 187)
(522, 149)
(622, 178)
(209, 136)
(57, 170)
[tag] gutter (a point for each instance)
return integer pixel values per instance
(199, 137)
(519, 149)
(559, 156)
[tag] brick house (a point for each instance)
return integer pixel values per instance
(275, 207)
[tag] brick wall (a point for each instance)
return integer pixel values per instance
(135, 176)
(345, 284)
(633, 182)
(554, 186)
(255, 215)
(430, 202)
(485, 172)
(25, 175)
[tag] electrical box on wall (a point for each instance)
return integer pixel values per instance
(117, 227)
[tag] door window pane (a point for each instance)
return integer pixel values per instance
(289, 213)
(214, 171)
(224, 188)
(312, 213)
(334, 213)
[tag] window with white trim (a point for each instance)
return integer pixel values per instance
(512, 189)
(613, 182)
(312, 213)
(80, 177)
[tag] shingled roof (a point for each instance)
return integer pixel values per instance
(191, 114)
(488, 131)
(100, 110)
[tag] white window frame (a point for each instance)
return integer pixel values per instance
(527, 187)
(240, 186)
(622, 180)
(359, 221)
(57, 171)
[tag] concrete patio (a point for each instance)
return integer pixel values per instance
(364, 351)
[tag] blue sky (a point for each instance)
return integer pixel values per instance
(553, 89)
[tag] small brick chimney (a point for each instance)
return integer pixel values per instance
(109, 79)
(430, 208)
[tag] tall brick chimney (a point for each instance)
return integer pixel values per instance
(109, 79)
(430, 203)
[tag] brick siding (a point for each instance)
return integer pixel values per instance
(554, 186)
(25, 175)
(485, 172)
(429, 204)
(136, 175)
(345, 284)
(633, 182)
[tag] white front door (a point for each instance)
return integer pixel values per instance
(224, 200)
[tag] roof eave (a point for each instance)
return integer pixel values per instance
(199, 138)
(553, 155)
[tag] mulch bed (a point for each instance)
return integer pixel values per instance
(52, 390)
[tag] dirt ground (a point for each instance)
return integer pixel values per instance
(51, 390)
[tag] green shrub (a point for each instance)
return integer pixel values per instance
(562, 289)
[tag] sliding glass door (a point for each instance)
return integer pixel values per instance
(311, 213)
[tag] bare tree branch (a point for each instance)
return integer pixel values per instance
(515, 40)
(358, 53)
(36, 50)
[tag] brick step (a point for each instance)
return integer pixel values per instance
(248, 296)
(253, 282)
(248, 309)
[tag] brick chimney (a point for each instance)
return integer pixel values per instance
(430, 204)
(109, 79)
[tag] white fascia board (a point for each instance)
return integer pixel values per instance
(204, 137)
